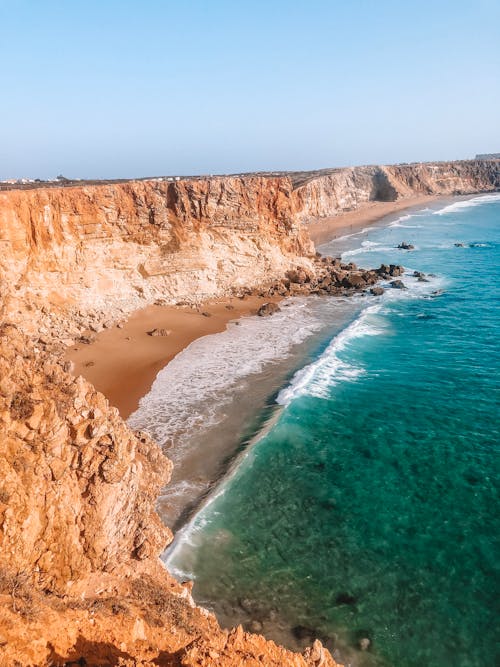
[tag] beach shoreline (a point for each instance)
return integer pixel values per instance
(327, 229)
(122, 362)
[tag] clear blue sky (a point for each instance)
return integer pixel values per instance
(108, 88)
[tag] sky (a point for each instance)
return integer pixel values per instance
(129, 88)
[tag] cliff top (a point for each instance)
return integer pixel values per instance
(298, 178)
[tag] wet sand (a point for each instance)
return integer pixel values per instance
(122, 363)
(327, 229)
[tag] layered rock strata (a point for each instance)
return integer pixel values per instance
(76, 256)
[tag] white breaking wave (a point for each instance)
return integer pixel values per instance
(318, 377)
(366, 246)
(188, 394)
(468, 203)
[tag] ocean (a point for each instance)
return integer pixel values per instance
(338, 462)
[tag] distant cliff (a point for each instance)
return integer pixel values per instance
(103, 250)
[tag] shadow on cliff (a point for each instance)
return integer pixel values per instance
(88, 653)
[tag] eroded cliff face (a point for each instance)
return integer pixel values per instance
(95, 252)
(112, 248)
(331, 192)
(80, 577)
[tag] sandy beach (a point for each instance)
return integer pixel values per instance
(327, 229)
(123, 362)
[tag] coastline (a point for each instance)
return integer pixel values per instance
(328, 229)
(123, 362)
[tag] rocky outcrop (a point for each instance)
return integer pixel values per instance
(80, 577)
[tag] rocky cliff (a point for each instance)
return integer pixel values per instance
(94, 252)
(80, 577)
(330, 192)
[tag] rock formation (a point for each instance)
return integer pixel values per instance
(84, 254)
(80, 577)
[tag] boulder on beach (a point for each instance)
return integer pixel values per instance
(268, 309)
(353, 280)
(159, 332)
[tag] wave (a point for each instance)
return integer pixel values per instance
(366, 246)
(317, 378)
(468, 203)
(330, 369)
(188, 394)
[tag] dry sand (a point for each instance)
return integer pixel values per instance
(122, 363)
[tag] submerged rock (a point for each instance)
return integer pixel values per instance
(406, 246)
(364, 644)
(345, 598)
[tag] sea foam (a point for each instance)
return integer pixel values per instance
(189, 393)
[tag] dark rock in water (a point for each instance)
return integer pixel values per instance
(255, 626)
(398, 284)
(345, 598)
(353, 280)
(459, 245)
(268, 309)
(421, 279)
(406, 246)
(303, 632)
(396, 270)
(418, 274)
(364, 644)
(384, 269)
(377, 291)
(159, 332)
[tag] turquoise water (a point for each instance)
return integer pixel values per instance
(368, 507)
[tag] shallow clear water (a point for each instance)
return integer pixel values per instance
(368, 506)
